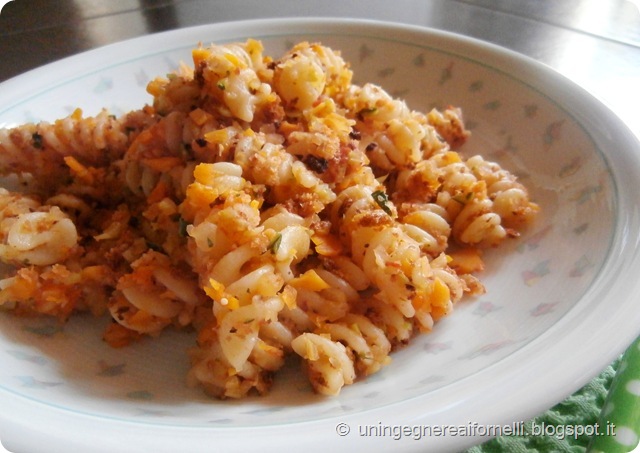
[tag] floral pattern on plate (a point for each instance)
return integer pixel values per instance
(532, 281)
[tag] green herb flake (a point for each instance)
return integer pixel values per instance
(153, 246)
(275, 244)
(182, 227)
(368, 111)
(221, 86)
(463, 198)
(382, 200)
(37, 140)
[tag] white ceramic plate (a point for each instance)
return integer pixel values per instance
(560, 303)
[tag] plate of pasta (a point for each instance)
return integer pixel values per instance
(310, 232)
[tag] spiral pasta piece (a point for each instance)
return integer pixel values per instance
(39, 149)
(393, 136)
(178, 92)
(56, 291)
(308, 71)
(323, 296)
(416, 150)
(245, 262)
(34, 234)
(329, 366)
(289, 179)
(397, 328)
(393, 260)
(445, 189)
(338, 351)
(154, 295)
(327, 294)
(155, 155)
(230, 74)
(253, 360)
(42, 242)
(510, 198)
(449, 125)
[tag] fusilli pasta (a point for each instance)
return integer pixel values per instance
(270, 205)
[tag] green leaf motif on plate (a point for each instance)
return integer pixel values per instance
(580, 267)
(570, 168)
(365, 52)
(107, 370)
(552, 133)
(104, 84)
(33, 383)
(543, 309)
(47, 330)
(32, 358)
(492, 105)
(476, 86)
(588, 194)
(446, 74)
(530, 110)
(531, 277)
(140, 395)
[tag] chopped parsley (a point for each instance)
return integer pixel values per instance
(182, 227)
(368, 111)
(382, 200)
(153, 246)
(463, 198)
(274, 245)
(37, 140)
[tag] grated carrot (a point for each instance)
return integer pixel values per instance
(159, 192)
(79, 170)
(161, 164)
(310, 280)
(199, 116)
(466, 261)
(327, 244)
